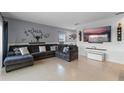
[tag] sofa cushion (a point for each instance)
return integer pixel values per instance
(38, 55)
(49, 52)
(11, 54)
(17, 59)
(33, 48)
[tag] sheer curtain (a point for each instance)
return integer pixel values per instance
(62, 37)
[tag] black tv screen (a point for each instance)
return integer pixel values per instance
(97, 35)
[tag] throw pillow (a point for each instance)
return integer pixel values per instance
(65, 49)
(24, 51)
(42, 48)
(17, 51)
(53, 48)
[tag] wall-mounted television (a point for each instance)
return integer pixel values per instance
(97, 35)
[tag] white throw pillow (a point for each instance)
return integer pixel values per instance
(53, 48)
(24, 51)
(65, 49)
(42, 48)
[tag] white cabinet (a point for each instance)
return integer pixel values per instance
(96, 55)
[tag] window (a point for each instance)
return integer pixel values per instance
(62, 37)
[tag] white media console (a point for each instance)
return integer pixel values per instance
(96, 54)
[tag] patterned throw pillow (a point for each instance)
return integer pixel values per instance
(17, 51)
(24, 51)
(65, 49)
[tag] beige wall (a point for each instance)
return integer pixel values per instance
(16, 30)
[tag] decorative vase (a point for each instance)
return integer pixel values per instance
(37, 38)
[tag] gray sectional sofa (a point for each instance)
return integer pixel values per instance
(16, 60)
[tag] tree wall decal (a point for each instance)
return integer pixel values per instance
(36, 33)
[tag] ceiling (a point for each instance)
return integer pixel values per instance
(68, 20)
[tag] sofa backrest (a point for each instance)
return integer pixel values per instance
(71, 47)
(31, 48)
